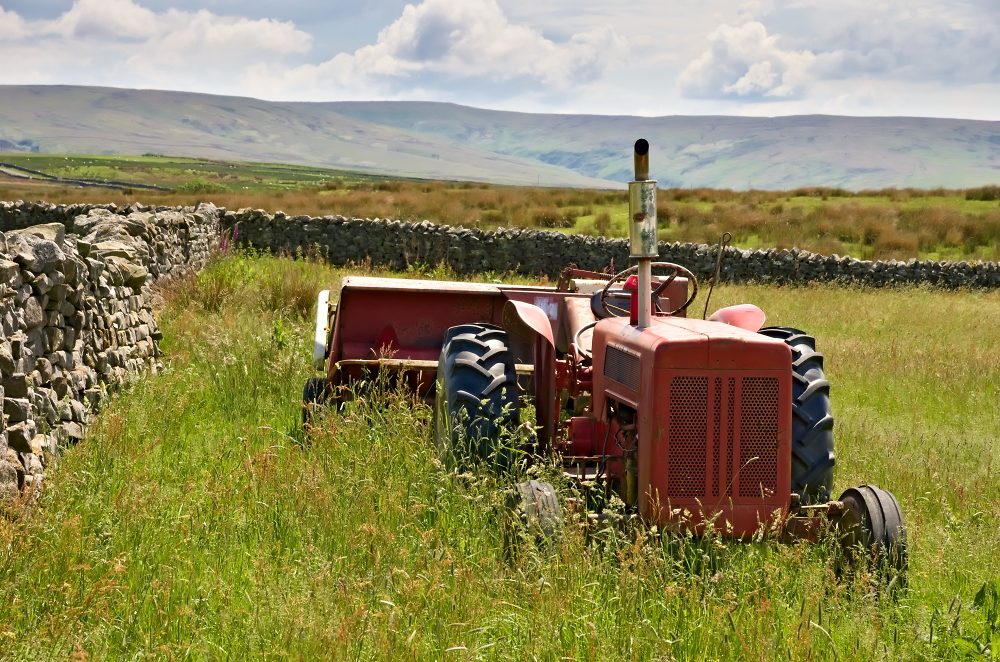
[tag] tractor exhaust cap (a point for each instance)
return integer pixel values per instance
(641, 160)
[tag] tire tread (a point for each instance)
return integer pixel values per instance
(813, 458)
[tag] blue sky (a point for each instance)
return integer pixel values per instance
(652, 57)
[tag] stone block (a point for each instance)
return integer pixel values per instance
(53, 232)
(118, 249)
(17, 386)
(36, 255)
(7, 364)
(42, 284)
(21, 436)
(9, 272)
(54, 338)
(9, 483)
(33, 312)
(73, 430)
(94, 397)
(17, 409)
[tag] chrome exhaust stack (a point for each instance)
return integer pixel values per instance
(642, 228)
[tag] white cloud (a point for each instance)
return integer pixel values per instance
(11, 25)
(119, 42)
(764, 57)
(745, 62)
(916, 41)
(442, 43)
(914, 47)
(102, 19)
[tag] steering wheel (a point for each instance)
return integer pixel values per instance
(616, 311)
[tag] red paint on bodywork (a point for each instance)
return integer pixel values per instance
(714, 420)
(532, 323)
(416, 313)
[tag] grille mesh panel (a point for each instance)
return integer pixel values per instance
(759, 437)
(688, 424)
(742, 456)
(622, 367)
(717, 479)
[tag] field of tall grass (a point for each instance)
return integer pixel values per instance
(198, 523)
(877, 224)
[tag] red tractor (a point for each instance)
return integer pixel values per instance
(695, 423)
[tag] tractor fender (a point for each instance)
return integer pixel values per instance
(525, 320)
(531, 323)
(744, 316)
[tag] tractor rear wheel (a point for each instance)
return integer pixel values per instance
(872, 524)
(476, 407)
(812, 420)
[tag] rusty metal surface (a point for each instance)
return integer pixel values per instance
(408, 285)
(409, 364)
(802, 528)
(674, 287)
(642, 219)
(418, 316)
(578, 315)
(552, 303)
(528, 320)
(571, 273)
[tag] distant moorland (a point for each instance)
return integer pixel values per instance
(952, 224)
(446, 141)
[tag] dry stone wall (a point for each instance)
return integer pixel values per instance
(399, 244)
(76, 284)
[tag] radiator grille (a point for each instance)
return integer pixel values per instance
(724, 413)
(759, 437)
(688, 420)
(742, 455)
(622, 367)
(716, 479)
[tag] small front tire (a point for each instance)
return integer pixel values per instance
(872, 525)
(313, 399)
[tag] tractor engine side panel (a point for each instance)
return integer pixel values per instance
(713, 416)
(719, 445)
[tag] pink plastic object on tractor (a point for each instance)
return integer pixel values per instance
(745, 316)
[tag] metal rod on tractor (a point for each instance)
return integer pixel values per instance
(642, 228)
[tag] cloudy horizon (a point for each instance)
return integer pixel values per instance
(929, 58)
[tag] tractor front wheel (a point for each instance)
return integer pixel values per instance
(476, 407)
(313, 397)
(872, 525)
(812, 420)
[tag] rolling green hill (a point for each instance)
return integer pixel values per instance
(448, 141)
(91, 120)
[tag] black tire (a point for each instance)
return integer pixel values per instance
(313, 397)
(812, 421)
(476, 401)
(872, 525)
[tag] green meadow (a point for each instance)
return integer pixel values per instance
(198, 522)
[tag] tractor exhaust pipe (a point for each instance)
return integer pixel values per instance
(642, 228)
